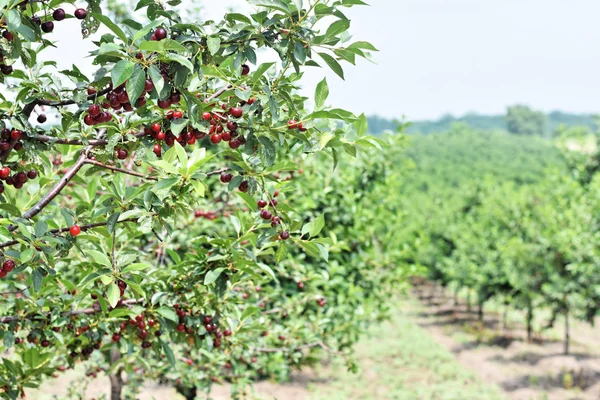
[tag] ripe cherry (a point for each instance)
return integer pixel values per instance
(164, 104)
(156, 127)
(232, 126)
(160, 136)
(177, 114)
(148, 85)
(8, 265)
(292, 124)
(157, 150)
(175, 98)
(16, 134)
(226, 136)
(94, 110)
(285, 235)
(206, 116)
(8, 36)
(225, 177)
(236, 112)
(21, 177)
(266, 214)
(301, 127)
(243, 186)
(80, 13)
(276, 193)
(261, 203)
(160, 33)
(227, 332)
(59, 14)
(215, 138)
(235, 143)
(122, 154)
(116, 337)
(45, 343)
(4, 172)
(41, 118)
(32, 174)
(245, 70)
(75, 230)
(180, 328)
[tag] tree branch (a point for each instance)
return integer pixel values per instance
(122, 170)
(303, 347)
(76, 142)
(11, 318)
(63, 230)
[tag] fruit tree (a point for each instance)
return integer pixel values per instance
(155, 218)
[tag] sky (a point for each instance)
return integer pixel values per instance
(452, 56)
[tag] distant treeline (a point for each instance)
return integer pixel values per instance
(516, 116)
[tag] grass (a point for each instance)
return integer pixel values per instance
(399, 360)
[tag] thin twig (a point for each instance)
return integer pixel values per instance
(122, 170)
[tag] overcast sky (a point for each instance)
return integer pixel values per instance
(457, 56)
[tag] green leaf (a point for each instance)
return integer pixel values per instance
(111, 25)
(249, 311)
(321, 93)
(13, 19)
(214, 44)
(121, 72)
(146, 29)
(333, 64)
(156, 77)
(99, 257)
(337, 27)
(135, 267)
(362, 45)
(135, 84)
(168, 313)
(181, 60)
(361, 125)
(168, 352)
(211, 276)
(272, 4)
(113, 294)
(318, 225)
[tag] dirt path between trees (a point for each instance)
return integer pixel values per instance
(502, 356)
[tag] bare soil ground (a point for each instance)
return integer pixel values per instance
(502, 355)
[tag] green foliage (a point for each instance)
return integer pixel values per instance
(522, 120)
(137, 238)
(501, 215)
(555, 121)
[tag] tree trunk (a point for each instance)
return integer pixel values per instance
(469, 300)
(456, 296)
(529, 321)
(116, 381)
(567, 336)
(505, 317)
(189, 393)
(480, 311)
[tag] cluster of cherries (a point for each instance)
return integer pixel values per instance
(6, 135)
(59, 14)
(7, 266)
(209, 215)
(17, 180)
(141, 324)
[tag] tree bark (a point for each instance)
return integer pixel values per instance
(529, 321)
(505, 317)
(456, 296)
(469, 300)
(567, 334)
(116, 381)
(480, 311)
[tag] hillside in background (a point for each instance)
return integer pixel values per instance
(552, 121)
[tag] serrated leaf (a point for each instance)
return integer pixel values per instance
(321, 93)
(214, 44)
(168, 313)
(135, 84)
(333, 64)
(113, 294)
(99, 257)
(121, 72)
(212, 275)
(111, 25)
